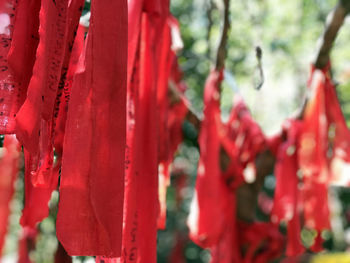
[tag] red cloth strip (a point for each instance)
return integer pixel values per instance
(141, 182)
(313, 154)
(25, 40)
(204, 223)
(46, 74)
(67, 85)
(36, 199)
(147, 168)
(164, 66)
(10, 92)
(131, 197)
(89, 220)
(286, 191)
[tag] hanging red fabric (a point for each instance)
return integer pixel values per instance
(47, 172)
(57, 38)
(36, 199)
(135, 10)
(209, 200)
(322, 144)
(21, 56)
(245, 132)
(241, 139)
(141, 183)
(74, 11)
(10, 92)
(314, 137)
(74, 49)
(313, 160)
(25, 40)
(67, 83)
(172, 111)
(40, 179)
(286, 191)
(9, 165)
(148, 206)
(46, 74)
(133, 136)
(131, 197)
(92, 178)
(164, 66)
(227, 249)
(339, 137)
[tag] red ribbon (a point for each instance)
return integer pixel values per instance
(285, 206)
(205, 221)
(92, 179)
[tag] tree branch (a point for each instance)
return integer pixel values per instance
(220, 58)
(334, 21)
(221, 53)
